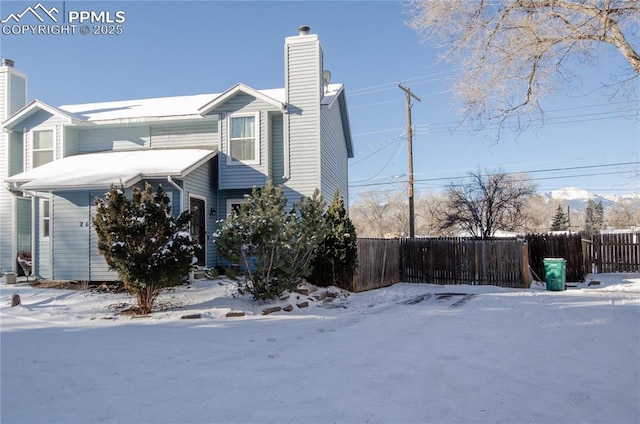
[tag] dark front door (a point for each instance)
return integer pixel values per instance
(198, 227)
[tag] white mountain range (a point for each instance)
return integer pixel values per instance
(577, 198)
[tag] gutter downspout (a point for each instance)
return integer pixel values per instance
(173, 183)
(285, 144)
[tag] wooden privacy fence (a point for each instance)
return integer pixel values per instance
(496, 262)
(378, 264)
(613, 253)
(500, 262)
(567, 246)
(383, 262)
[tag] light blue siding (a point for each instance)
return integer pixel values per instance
(276, 155)
(4, 86)
(17, 93)
(13, 96)
(202, 183)
(303, 81)
(98, 268)
(16, 153)
(239, 175)
(334, 166)
(200, 134)
(6, 228)
(103, 139)
(70, 144)
(41, 118)
(70, 236)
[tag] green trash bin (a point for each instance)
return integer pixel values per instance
(555, 273)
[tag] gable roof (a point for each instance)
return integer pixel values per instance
(33, 107)
(100, 170)
(142, 110)
(267, 96)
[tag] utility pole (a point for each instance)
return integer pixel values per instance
(409, 95)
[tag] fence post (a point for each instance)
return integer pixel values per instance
(526, 277)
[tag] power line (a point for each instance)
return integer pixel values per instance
(457, 126)
(570, 168)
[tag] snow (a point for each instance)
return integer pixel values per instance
(150, 108)
(404, 354)
(124, 109)
(571, 193)
(100, 170)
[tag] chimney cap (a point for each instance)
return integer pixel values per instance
(7, 62)
(303, 30)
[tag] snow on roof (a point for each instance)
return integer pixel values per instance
(148, 108)
(99, 170)
(332, 91)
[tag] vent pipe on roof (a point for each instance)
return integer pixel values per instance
(303, 30)
(7, 62)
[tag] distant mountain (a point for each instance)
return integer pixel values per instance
(578, 198)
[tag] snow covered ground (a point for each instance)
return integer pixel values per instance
(404, 354)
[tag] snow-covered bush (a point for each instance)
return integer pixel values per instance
(143, 242)
(336, 257)
(273, 247)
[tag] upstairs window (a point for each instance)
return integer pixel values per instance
(42, 147)
(243, 139)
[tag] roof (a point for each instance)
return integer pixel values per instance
(211, 105)
(159, 108)
(100, 170)
(140, 108)
(32, 108)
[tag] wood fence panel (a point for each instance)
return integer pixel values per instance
(463, 261)
(500, 262)
(378, 264)
(567, 246)
(617, 252)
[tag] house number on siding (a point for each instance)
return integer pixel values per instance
(84, 224)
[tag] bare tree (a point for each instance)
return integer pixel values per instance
(538, 214)
(369, 214)
(489, 202)
(430, 207)
(623, 214)
(512, 53)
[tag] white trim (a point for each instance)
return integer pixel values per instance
(256, 147)
(205, 109)
(54, 143)
(30, 109)
(235, 201)
(41, 218)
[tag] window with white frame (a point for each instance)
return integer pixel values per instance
(42, 147)
(234, 204)
(45, 222)
(244, 143)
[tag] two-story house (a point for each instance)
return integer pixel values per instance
(207, 151)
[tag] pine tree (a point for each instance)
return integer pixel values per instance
(593, 217)
(143, 242)
(274, 247)
(337, 256)
(560, 220)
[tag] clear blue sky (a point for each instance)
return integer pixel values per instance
(172, 48)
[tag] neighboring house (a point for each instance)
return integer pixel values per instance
(207, 151)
